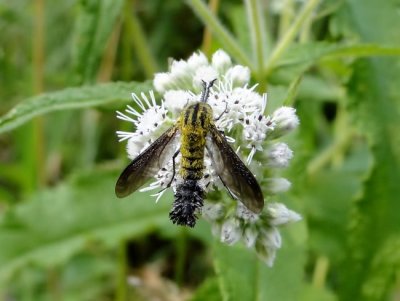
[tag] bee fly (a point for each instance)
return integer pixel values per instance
(197, 134)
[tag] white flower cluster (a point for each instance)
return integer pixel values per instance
(259, 231)
(238, 111)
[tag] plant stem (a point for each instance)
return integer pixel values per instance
(37, 147)
(292, 91)
(121, 293)
(108, 60)
(53, 284)
(343, 137)
(286, 17)
(320, 271)
(207, 37)
(181, 251)
(257, 30)
(139, 41)
(290, 34)
(220, 32)
(90, 137)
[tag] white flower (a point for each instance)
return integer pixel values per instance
(210, 178)
(238, 111)
(239, 75)
(204, 74)
(255, 130)
(266, 253)
(176, 100)
(147, 123)
(245, 214)
(213, 211)
(277, 185)
(162, 82)
(285, 120)
(279, 214)
(231, 231)
(250, 236)
(279, 155)
(270, 237)
(197, 60)
(221, 61)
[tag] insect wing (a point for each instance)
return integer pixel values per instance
(147, 164)
(236, 177)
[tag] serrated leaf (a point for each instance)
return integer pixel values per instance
(57, 223)
(375, 108)
(70, 98)
(328, 196)
(384, 265)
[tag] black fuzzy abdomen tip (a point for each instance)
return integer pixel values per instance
(182, 216)
(188, 202)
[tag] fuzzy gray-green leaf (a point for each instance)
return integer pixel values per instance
(70, 98)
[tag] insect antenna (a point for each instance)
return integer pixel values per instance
(206, 90)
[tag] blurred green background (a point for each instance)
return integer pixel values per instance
(66, 66)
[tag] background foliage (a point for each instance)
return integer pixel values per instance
(66, 66)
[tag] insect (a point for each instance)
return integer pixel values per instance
(198, 134)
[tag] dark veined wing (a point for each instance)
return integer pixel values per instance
(236, 177)
(147, 164)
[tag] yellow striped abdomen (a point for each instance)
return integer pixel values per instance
(195, 122)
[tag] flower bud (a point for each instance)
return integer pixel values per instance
(221, 61)
(196, 60)
(239, 75)
(285, 120)
(213, 211)
(265, 253)
(204, 73)
(249, 236)
(231, 231)
(279, 155)
(279, 214)
(277, 185)
(162, 82)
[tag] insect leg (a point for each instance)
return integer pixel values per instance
(225, 111)
(173, 167)
(173, 171)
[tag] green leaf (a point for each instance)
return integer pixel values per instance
(208, 291)
(300, 57)
(55, 224)
(310, 53)
(243, 276)
(384, 265)
(374, 106)
(327, 197)
(375, 218)
(312, 293)
(70, 98)
(93, 27)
